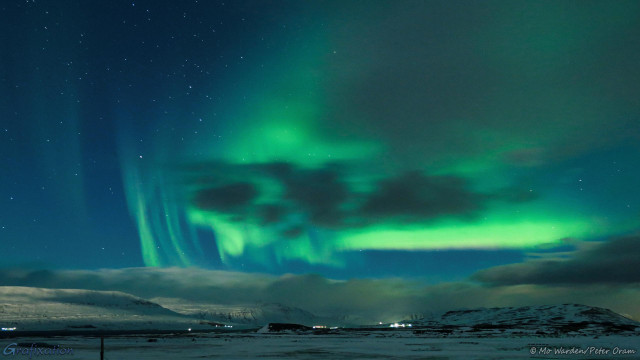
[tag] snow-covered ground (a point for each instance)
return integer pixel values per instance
(373, 345)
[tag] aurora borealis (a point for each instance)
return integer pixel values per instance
(350, 139)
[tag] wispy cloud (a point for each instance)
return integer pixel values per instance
(610, 262)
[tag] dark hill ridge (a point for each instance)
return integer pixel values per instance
(551, 320)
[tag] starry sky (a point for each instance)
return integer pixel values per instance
(495, 142)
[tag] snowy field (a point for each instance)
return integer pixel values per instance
(370, 345)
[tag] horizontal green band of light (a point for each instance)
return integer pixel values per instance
(517, 235)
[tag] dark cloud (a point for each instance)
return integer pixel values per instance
(293, 232)
(228, 198)
(414, 196)
(319, 192)
(611, 262)
(271, 213)
(325, 196)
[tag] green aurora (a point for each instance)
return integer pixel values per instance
(330, 120)
(318, 135)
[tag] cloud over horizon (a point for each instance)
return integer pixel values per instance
(385, 299)
(612, 262)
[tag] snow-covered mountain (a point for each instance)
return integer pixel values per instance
(552, 320)
(256, 315)
(36, 309)
(264, 313)
(33, 309)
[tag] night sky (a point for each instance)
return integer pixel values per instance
(490, 142)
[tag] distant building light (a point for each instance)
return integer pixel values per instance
(396, 325)
(189, 329)
(8, 329)
(319, 327)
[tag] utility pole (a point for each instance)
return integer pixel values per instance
(102, 348)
